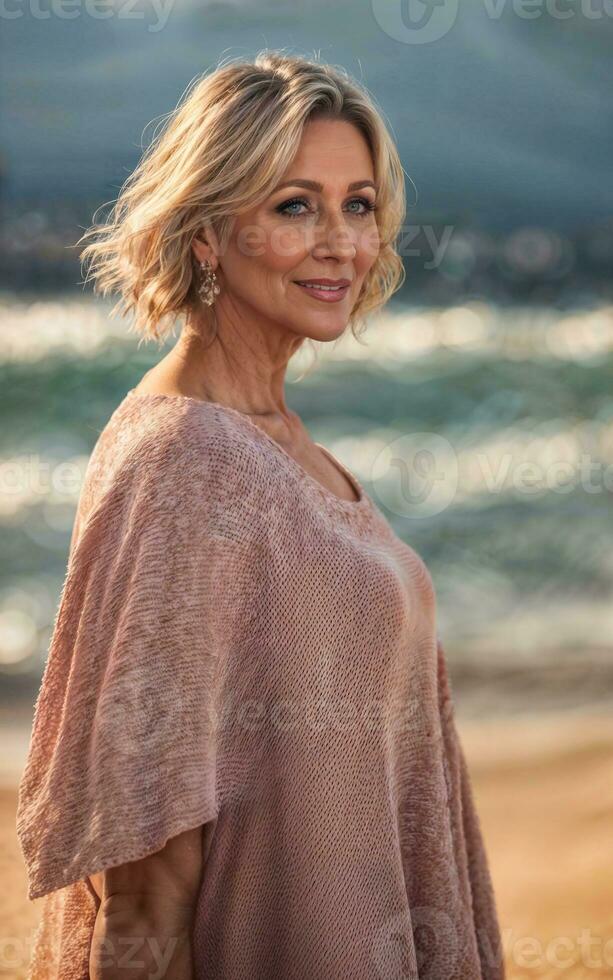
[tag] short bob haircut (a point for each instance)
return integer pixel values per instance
(224, 149)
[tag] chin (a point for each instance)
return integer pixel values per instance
(321, 325)
(330, 330)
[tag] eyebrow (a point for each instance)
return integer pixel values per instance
(314, 185)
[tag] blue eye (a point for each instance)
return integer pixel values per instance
(369, 206)
(282, 209)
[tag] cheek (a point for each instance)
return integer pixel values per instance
(368, 246)
(269, 247)
(283, 248)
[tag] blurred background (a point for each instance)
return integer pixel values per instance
(488, 375)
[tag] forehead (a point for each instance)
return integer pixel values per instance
(329, 148)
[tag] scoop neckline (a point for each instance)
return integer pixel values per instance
(350, 506)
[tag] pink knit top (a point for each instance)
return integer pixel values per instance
(237, 646)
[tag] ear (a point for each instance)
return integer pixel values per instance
(205, 245)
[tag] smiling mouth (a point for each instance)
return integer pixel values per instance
(320, 286)
(327, 293)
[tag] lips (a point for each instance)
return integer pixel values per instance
(326, 290)
(325, 283)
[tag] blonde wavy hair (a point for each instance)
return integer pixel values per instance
(223, 150)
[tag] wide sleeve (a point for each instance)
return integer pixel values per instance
(485, 913)
(122, 754)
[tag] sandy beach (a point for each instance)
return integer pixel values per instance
(544, 790)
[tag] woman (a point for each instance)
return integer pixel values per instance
(244, 760)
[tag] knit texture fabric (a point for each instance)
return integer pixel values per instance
(237, 646)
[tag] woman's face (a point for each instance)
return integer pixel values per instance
(326, 230)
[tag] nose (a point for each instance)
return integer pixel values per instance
(333, 238)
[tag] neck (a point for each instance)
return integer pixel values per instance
(243, 368)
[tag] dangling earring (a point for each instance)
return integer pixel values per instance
(209, 287)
